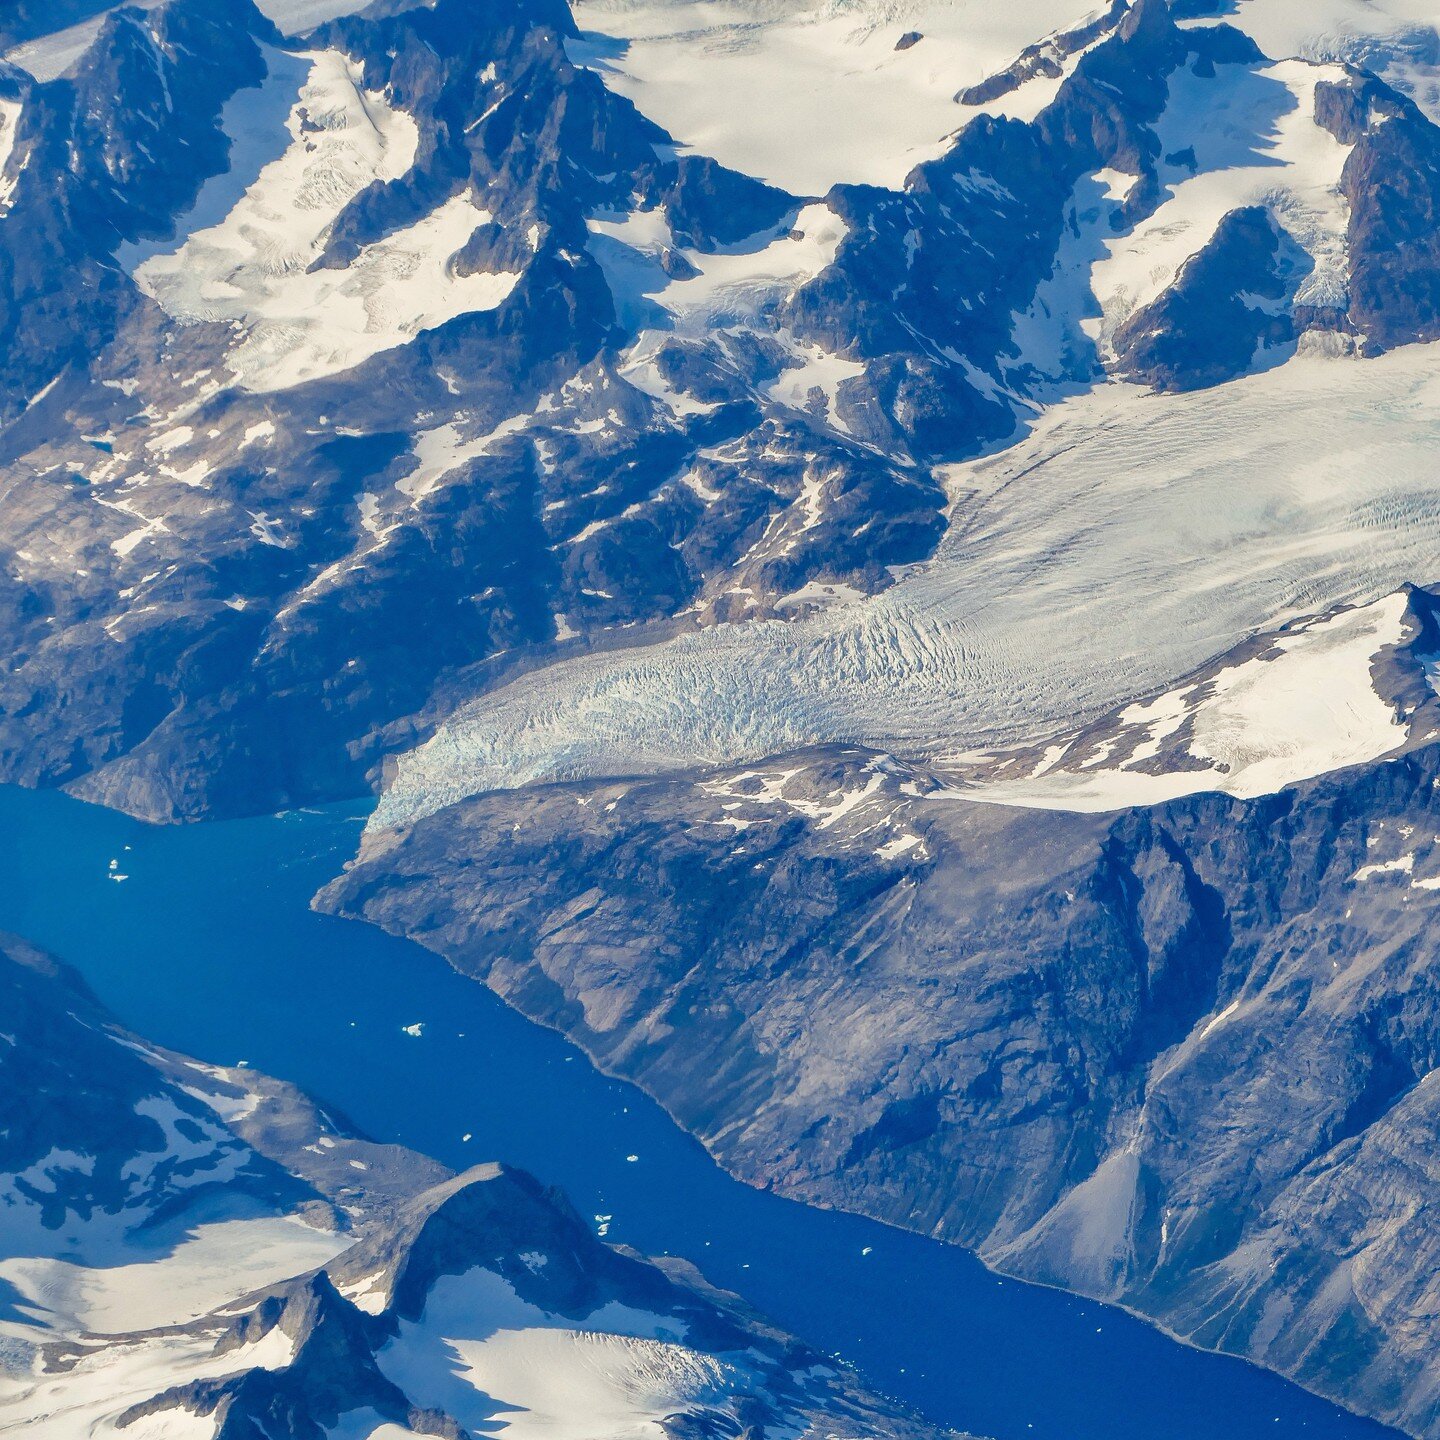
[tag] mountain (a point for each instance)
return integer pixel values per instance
(261, 548)
(1075, 1008)
(310, 344)
(870, 551)
(191, 1250)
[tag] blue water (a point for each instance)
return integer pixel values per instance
(209, 946)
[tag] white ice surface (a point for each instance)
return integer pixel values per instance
(88, 1399)
(246, 255)
(734, 287)
(1126, 541)
(1258, 726)
(1396, 38)
(501, 1365)
(730, 287)
(170, 1276)
(295, 17)
(366, 1424)
(95, 1278)
(1255, 143)
(805, 94)
(814, 381)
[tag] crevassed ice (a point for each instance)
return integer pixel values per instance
(1129, 539)
(255, 231)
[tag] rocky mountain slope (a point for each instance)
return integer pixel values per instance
(188, 1250)
(1072, 1007)
(433, 400)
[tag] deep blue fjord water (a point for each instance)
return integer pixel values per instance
(209, 946)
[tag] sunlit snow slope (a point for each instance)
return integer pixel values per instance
(1304, 705)
(254, 266)
(809, 95)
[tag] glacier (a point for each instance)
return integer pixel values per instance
(1127, 539)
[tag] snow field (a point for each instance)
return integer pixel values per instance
(251, 267)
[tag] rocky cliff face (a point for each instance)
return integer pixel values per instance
(1392, 184)
(1179, 1057)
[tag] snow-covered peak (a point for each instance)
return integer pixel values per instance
(331, 1286)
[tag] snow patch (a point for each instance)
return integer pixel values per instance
(443, 450)
(1401, 865)
(9, 123)
(731, 286)
(252, 268)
